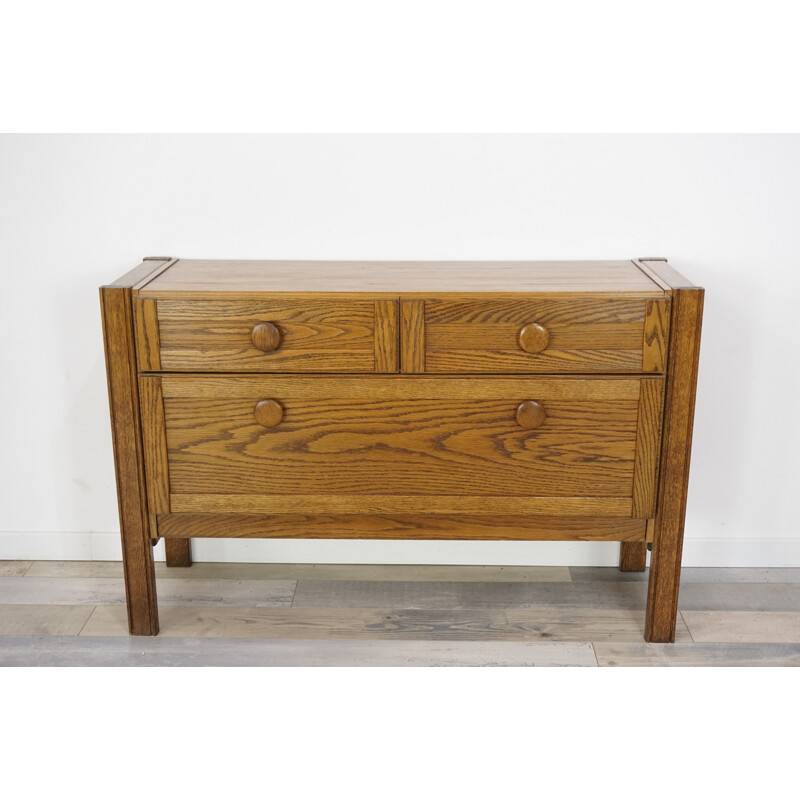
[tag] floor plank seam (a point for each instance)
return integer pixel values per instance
(87, 621)
(683, 619)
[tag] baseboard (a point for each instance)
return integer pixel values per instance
(698, 552)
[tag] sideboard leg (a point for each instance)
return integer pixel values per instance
(665, 564)
(632, 556)
(137, 551)
(179, 552)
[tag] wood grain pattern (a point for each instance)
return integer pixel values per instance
(755, 575)
(178, 552)
(266, 337)
(583, 335)
(530, 414)
(663, 274)
(551, 360)
(268, 413)
(399, 387)
(744, 626)
(373, 624)
(435, 595)
(402, 454)
(172, 591)
(619, 654)
(155, 266)
(96, 651)
(398, 504)
(443, 446)
(684, 352)
(230, 570)
(412, 336)
(648, 447)
(532, 338)
(387, 336)
(316, 336)
(118, 334)
(9, 568)
(154, 439)
(404, 277)
(401, 526)
(49, 620)
(633, 556)
(148, 342)
(656, 336)
(139, 275)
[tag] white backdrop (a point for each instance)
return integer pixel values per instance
(77, 211)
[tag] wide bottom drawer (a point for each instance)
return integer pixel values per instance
(401, 444)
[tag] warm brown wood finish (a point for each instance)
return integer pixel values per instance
(648, 433)
(140, 586)
(179, 551)
(533, 338)
(267, 335)
(512, 527)
(404, 278)
(148, 341)
(412, 335)
(337, 436)
(144, 273)
(633, 556)
(665, 568)
(530, 414)
(154, 437)
(403, 400)
(656, 330)
(387, 336)
(268, 413)
(399, 504)
(552, 335)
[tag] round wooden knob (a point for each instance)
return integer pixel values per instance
(530, 414)
(268, 413)
(534, 338)
(267, 337)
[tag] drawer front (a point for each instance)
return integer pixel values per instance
(267, 335)
(603, 335)
(320, 444)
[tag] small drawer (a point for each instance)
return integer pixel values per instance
(254, 335)
(537, 335)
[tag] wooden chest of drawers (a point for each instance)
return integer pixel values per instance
(506, 400)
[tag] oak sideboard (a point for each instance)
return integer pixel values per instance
(403, 400)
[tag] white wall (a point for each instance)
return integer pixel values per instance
(77, 211)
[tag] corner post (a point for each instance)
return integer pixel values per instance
(679, 402)
(116, 302)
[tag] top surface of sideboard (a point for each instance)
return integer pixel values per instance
(406, 278)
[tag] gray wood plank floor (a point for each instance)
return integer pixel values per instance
(73, 614)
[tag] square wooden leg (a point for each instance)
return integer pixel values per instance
(179, 552)
(665, 564)
(137, 551)
(632, 556)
